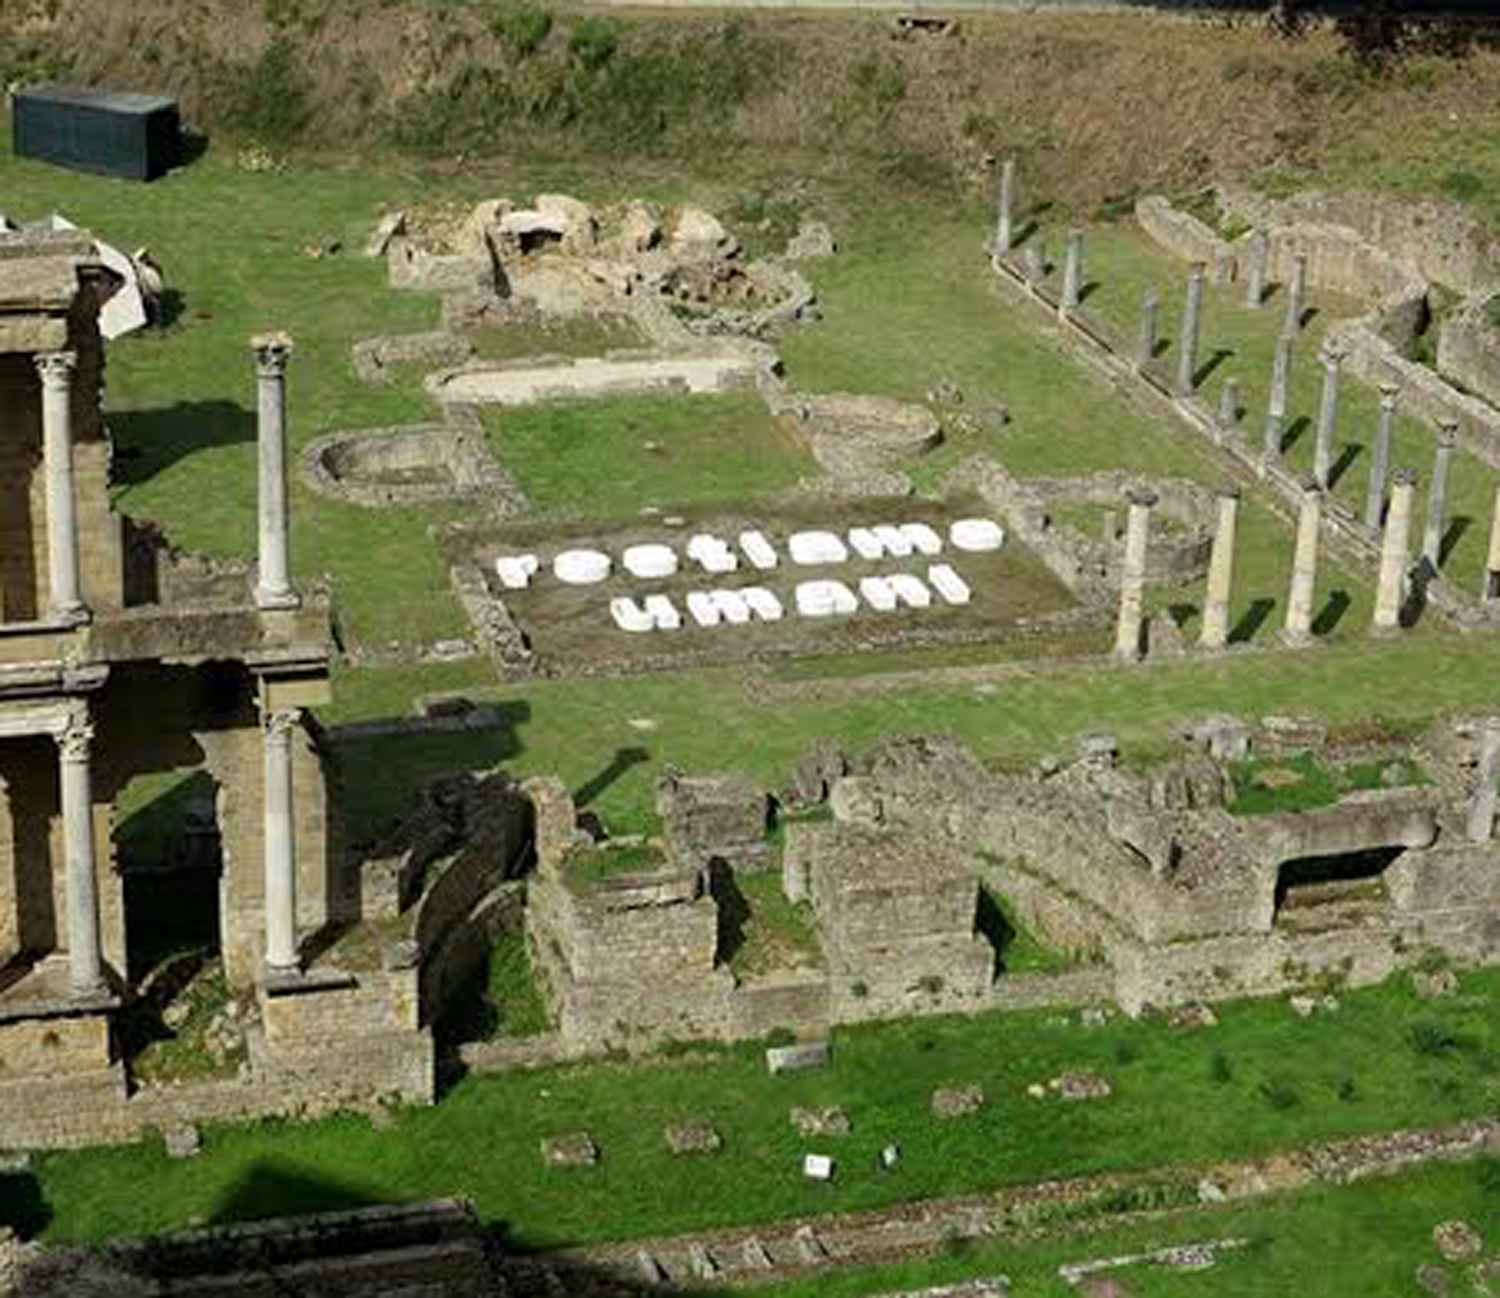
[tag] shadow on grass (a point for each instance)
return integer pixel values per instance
(1333, 612)
(1221, 354)
(1456, 529)
(1343, 464)
(1294, 433)
(619, 765)
(1248, 626)
(147, 442)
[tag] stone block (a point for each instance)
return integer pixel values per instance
(957, 1101)
(576, 1149)
(1080, 1086)
(182, 1140)
(826, 1121)
(692, 1138)
(790, 1059)
(854, 801)
(1457, 1241)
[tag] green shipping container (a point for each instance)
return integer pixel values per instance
(136, 137)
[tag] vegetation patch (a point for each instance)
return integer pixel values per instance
(1302, 782)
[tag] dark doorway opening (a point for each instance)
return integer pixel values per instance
(1338, 889)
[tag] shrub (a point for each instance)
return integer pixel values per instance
(1465, 186)
(1436, 1040)
(594, 41)
(523, 27)
(859, 990)
(1348, 1092)
(1279, 1093)
(269, 98)
(1126, 1052)
(1220, 1069)
(884, 82)
(1487, 1172)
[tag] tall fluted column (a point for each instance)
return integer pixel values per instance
(85, 960)
(1145, 339)
(1328, 413)
(1295, 292)
(1299, 603)
(65, 592)
(1380, 456)
(1187, 344)
(1281, 378)
(1437, 495)
(1003, 232)
(1390, 593)
(280, 845)
(1072, 284)
(1491, 590)
(1215, 633)
(1133, 575)
(1255, 274)
(274, 587)
(1482, 808)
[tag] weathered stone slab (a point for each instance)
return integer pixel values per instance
(692, 1138)
(827, 1121)
(957, 1101)
(1457, 1241)
(576, 1149)
(182, 1140)
(791, 1059)
(1080, 1086)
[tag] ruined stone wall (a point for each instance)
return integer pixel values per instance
(1468, 349)
(53, 1047)
(1185, 236)
(462, 953)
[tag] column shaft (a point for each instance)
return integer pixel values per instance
(274, 587)
(1255, 275)
(1003, 233)
(1482, 808)
(280, 846)
(1491, 589)
(1133, 576)
(1145, 345)
(1281, 377)
(85, 959)
(1328, 411)
(1380, 457)
(1437, 496)
(1187, 344)
(1229, 405)
(1072, 284)
(1215, 633)
(1296, 291)
(1390, 593)
(65, 595)
(1299, 604)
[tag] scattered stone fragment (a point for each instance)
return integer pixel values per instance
(388, 227)
(1192, 1016)
(692, 1138)
(182, 1140)
(700, 1263)
(956, 1101)
(576, 1149)
(890, 1156)
(809, 1247)
(1037, 1091)
(1430, 986)
(813, 239)
(789, 1059)
(1434, 1280)
(827, 1121)
(755, 1254)
(1457, 1241)
(1210, 1191)
(1306, 1006)
(817, 1167)
(1093, 1016)
(1081, 1086)
(650, 1269)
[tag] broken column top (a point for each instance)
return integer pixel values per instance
(1406, 477)
(1144, 497)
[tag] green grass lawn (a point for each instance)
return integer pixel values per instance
(609, 459)
(1336, 1242)
(1262, 1080)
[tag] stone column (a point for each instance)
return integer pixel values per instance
(85, 960)
(1328, 413)
(1133, 575)
(1229, 405)
(1002, 219)
(65, 597)
(1380, 457)
(280, 845)
(1482, 808)
(1145, 345)
(1437, 494)
(1187, 344)
(1295, 292)
(1215, 634)
(1034, 260)
(1390, 593)
(1491, 589)
(1255, 272)
(1299, 603)
(1072, 283)
(1281, 378)
(274, 587)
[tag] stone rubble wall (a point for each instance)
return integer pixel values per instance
(1185, 236)
(1468, 349)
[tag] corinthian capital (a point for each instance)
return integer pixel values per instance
(280, 724)
(272, 351)
(76, 741)
(56, 368)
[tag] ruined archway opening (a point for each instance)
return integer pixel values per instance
(1337, 888)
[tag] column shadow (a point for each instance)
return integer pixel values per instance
(1254, 618)
(1456, 529)
(621, 763)
(1333, 612)
(1344, 463)
(1088, 290)
(1294, 432)
(1221, 354)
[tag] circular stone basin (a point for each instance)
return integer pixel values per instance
(581, 567)
(650, 561)
(976, 534)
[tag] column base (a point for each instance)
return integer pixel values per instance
(1385, 631)
(283, 975)
(1293, 639)
(93, 991)
(71, 615)
(276, 599)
